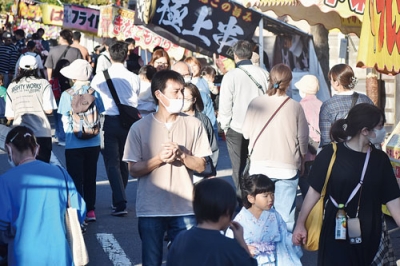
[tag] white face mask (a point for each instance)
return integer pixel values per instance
(302, 94)
(187, 105)
(380, 135)
(175, 105)
(9, 157)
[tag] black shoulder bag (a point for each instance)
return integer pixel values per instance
(127, 114)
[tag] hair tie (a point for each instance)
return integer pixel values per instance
(27, 135)
(276, 85)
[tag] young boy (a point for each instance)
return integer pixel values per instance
(214, 201)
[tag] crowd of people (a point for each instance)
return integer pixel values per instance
(170, 148)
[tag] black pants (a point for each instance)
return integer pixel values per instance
(82, 167)
(238, 150)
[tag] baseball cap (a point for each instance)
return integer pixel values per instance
(7, 35)
(28, 62)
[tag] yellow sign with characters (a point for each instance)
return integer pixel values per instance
(380, 37)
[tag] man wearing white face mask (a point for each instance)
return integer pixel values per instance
(162, 150)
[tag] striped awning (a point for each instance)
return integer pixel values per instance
(345, 15)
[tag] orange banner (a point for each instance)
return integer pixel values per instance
(380, 37)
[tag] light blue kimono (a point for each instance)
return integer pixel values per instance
(270, 237)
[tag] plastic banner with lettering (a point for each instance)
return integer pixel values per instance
(81, 18)
(52, 14)
(212, 25)
(30, 27)
(380, 38)
(119, 23)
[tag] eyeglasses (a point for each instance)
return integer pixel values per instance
(161, 64)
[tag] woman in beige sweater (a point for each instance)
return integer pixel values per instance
(280, 149)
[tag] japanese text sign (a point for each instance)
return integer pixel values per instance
(214, 25)
(52, 14)
(81, 18)
(118, 22)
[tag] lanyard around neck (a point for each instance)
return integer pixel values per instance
(359, 185)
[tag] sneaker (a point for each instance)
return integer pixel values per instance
(117, 212)
(61, 143)
(112, 206)
(90, 216)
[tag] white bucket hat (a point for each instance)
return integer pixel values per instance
(308, 84)
(79, 69)
(28, 62)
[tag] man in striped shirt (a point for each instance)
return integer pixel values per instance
(8, 58)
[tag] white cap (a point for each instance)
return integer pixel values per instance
(28, 62)
(79, 69)
(308, 84)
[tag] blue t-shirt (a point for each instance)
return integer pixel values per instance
(33, 201)
(64, 108)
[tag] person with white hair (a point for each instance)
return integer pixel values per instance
(29, 100)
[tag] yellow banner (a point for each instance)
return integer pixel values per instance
(52, 14)
(380, 37)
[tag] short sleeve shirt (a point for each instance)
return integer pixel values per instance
(167, 190)
(26, 102)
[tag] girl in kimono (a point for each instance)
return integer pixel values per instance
(265, 232)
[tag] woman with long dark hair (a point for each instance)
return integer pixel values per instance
(359, 193)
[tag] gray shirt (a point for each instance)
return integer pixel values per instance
(56, 53)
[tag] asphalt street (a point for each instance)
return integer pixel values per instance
(115, 240)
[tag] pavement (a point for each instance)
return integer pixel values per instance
(116, 241)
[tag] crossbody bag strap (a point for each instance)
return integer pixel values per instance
(359, 185)
(251, 77)
(328, 173)
(269, 120)
(111, 87)
(66, 186)
(354, 99)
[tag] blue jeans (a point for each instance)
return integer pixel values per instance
(285, 199)
(152, 230)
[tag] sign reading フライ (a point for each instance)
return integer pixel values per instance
(81, 18)
(214, 25)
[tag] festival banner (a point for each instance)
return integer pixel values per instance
(81, 18)
(380, 38)
(30, 27)
(29, 11)
(52, 14)
(212, 25)
(119, 23)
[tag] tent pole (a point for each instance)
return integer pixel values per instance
(261, 42)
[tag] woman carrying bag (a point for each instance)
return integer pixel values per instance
(280, 148)
(361, 180)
